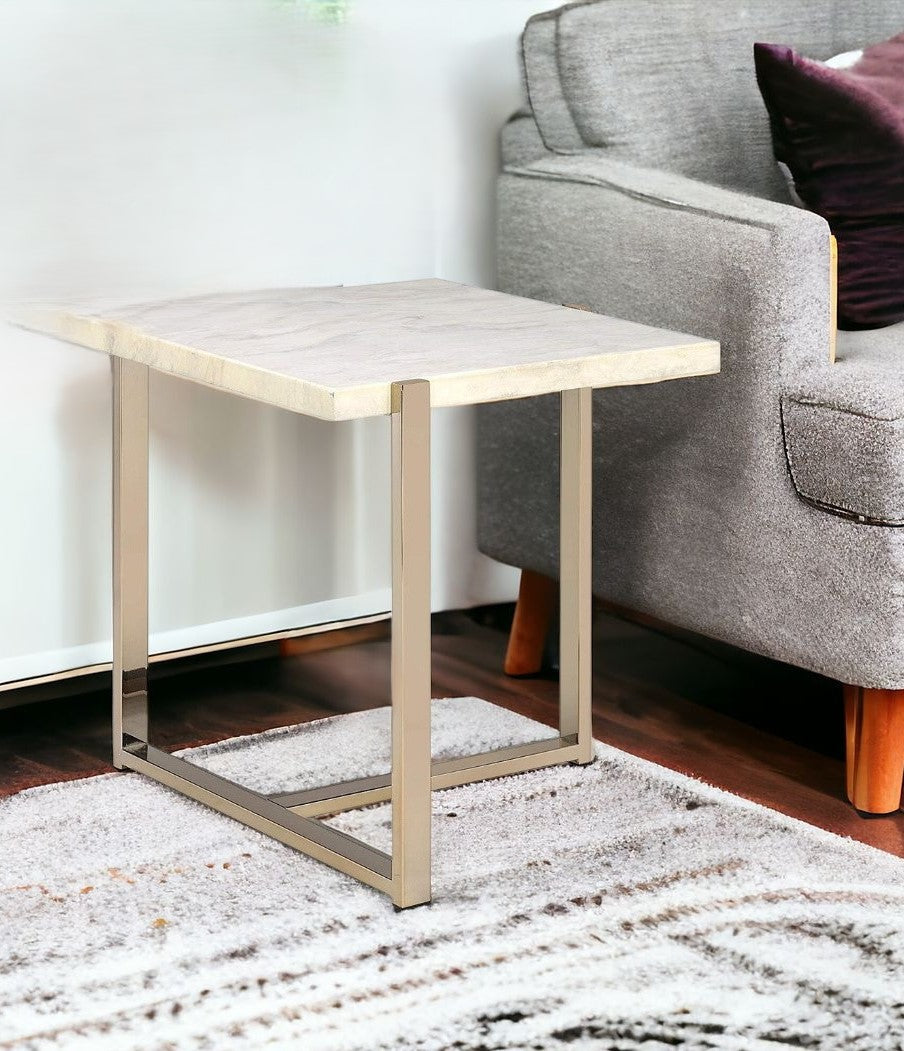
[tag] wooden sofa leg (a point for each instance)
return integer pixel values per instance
(874, 720)
(537, 599)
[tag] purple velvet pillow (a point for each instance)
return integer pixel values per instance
(841, 134)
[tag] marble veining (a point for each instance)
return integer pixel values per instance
(333, 352)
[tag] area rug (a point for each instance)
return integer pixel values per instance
(614, 906)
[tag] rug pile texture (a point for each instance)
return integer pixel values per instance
(615, 906)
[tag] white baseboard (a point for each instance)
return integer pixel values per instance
(95, 656)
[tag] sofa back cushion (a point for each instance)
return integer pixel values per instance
(672, 85)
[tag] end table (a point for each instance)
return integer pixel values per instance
(345, 353)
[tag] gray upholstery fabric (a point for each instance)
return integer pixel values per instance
(672, 85)
(520, 139)
(844, 428)
(696, 516)
(544, 88)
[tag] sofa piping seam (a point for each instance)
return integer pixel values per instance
(663, 202)
(558, 50)
(814, 404)
(543, 16)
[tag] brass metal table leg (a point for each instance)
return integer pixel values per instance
(130, 553)
(410, 779)
(575, 566)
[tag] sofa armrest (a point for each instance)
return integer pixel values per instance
(666, 250)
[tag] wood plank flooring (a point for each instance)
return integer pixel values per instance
(755, 727)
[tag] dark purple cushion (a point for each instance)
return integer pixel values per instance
(841, 134)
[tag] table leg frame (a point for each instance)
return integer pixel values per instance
(130, 554)
(410, 777)
(291, 817)
(575, 568)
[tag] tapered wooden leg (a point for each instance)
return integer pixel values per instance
(875, 748)
(537, 599)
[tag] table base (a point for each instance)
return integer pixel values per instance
(292, 817)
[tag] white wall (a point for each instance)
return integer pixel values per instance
(155, 148)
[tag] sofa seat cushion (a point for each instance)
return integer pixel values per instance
(844, 428)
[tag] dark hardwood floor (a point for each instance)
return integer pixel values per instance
(757, 728)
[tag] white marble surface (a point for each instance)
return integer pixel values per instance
(333, 352)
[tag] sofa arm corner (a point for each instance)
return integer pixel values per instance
(666, 250)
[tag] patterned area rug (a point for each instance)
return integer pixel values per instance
(615, 906)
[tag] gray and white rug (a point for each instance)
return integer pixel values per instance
(616, 906)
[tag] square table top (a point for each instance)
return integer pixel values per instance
(334, 352)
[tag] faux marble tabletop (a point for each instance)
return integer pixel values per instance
(334, 352)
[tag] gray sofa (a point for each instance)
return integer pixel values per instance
(762, 506)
